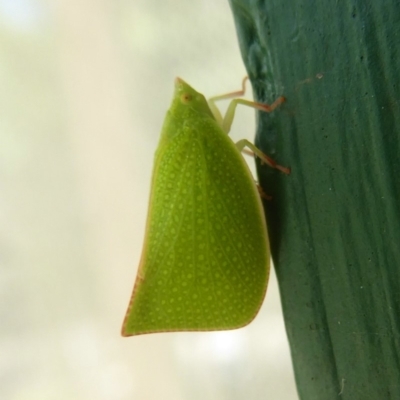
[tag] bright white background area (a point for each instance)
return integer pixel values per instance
(84, 87)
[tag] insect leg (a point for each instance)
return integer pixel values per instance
(262, 193)
(226, 121)
(230, 95)
(241, 144)
(230, 113)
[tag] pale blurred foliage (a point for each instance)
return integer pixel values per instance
(84, 88)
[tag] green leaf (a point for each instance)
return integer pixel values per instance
(334, 223)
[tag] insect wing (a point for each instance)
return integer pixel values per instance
(205, 261)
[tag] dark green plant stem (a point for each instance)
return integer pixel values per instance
(334, 223)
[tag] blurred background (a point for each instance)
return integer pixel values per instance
(84, 87)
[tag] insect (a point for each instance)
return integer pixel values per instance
(205, 260)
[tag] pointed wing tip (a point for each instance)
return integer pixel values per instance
(126, 334)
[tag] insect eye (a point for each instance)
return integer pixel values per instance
(186, 98)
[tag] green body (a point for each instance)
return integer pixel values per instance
(205, 259)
